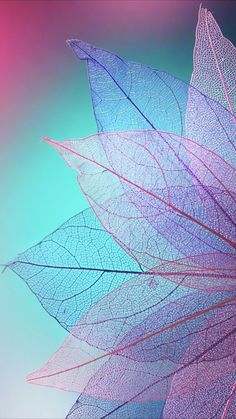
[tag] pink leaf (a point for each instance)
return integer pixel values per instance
(121, 376)
(142, 190)
(214, 62)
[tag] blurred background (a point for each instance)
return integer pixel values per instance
(44, 92)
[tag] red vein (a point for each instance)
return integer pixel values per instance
(224, 415)
(138, 341)
(173, 207)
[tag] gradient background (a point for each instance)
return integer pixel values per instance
(44, 91)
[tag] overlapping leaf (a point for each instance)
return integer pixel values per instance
(128, 95)
(86, 407)
(146, 204)
(209, 402)
(162, 103)
(162, 184)
(74, 267)
(191, 335)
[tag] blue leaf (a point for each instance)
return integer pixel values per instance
(74, 267)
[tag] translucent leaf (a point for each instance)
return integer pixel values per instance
(74, 267)
(130, 372)
(206, 402)
(214, 62)
(128, 95)
(136, 308)
(88, 407)
(145, 194)
(213, 75)
(216, 402)
(168, 199)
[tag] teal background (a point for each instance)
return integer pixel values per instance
(44, 92)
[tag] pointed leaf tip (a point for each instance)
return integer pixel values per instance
(71, 42)
(214, 62)
(54, 144)
(83, 50)
(48, 140)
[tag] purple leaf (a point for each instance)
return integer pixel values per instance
(136, 308)
(88, 407)
(128, 95)
(206, 402)
(118, 375)
(159, 327)
(143, 192)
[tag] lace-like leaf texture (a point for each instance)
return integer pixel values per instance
(145, 204)
(130, 95)
(214, 62)
(74, 267)
(163, 186)
(149, 364)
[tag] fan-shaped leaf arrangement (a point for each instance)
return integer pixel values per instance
(147, 288)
